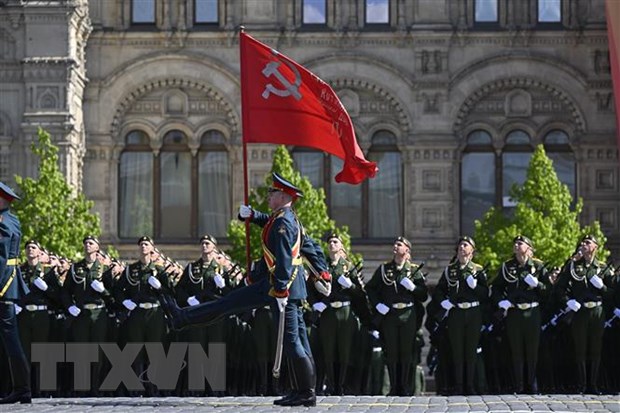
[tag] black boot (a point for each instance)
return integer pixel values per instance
(304, 372)
(293, 383)
(21, 382)
(393, 375)
(581, 377)
(593, 382)
(405, 379)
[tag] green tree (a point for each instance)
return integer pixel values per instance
(49, 210)
(311, 210)
(544, 213)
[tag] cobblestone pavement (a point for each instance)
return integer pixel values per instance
(423, 404)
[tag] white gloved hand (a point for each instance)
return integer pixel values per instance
(596, 281)
(375, 334)
(219, 281)
(74, 311)
(18, 309)
(382, 308)
(129, 304)
(154, 282)
(407, 283)
(192, 301)
(323, 287)
(617, 312)
(504, 305)
(245, 211)
(319, 306)
(282, 303)
(531, 281)
(447, 305)
(574, 305)
(472, 282)
(40, 283)
(345, 281)
(97, 286)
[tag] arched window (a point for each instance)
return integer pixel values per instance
(477, 179)
(361, 207)
(487, 176)
(136, 187)
(214, 176)
(175, 195)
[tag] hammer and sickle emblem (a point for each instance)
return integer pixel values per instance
(271, 68)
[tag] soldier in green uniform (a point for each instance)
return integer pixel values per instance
(392, 291)
(583, 287)
(33, 318)
(84, 295)
(461, 290)
(136, 290)
(337, 323)
(520, 290)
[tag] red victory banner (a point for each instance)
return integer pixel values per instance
(284, 103)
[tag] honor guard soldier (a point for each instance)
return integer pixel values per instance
(337, 322)
(583, 288)
(461, 290)
(84, 296)
(393, 290)
(137, 291)
(33, 317)
(519, 291)
(12, 289)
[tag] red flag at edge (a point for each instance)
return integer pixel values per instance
(284, 103)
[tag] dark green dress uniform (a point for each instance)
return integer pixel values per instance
(464, 319)
(399, 325)
(588, 322)
(12, 288)
(90, 325)
(337, 326)
(523, 319)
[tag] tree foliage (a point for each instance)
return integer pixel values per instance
(544, 213)
(49, 211)
(311, 210)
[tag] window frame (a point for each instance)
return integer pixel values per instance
(205, 24)
(486, 25)
(549, 24)
(314, 25)
(378, 25)
(142, 25)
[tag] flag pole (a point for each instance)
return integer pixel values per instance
(245, 126)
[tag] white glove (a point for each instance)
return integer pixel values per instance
(617, 312)
(219, 281)
(129, 304)
(74, 311)
(245, 211)
(18, 309)
(407, 283)
(596, 281)
(192, 301)
(345, 281)
(375, 334)
(319, 306)
(573, 305)
(472, 282)
(447, 305)
(531, 281)
(282, 303)
(97, 286)
(40, 284)
(324, 288)
(154, 282)
(504, 305)
(382, 308)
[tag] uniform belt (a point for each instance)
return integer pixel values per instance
(340, 304)
(93, 306)
(34, 307)
(467, 306)
(12, 262)
(592, 304)
(148, 306)
(527, 306)
(400, 306)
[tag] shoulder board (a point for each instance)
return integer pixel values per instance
(537, 261)
(477, 267)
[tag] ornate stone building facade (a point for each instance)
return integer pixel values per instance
(450, 96)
